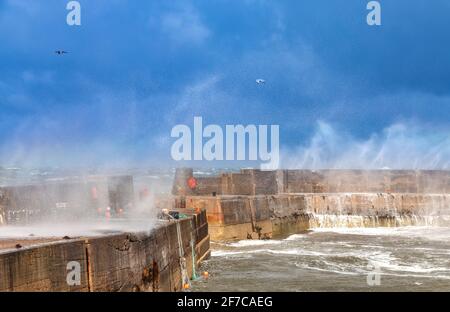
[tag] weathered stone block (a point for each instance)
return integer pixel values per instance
(42, 268)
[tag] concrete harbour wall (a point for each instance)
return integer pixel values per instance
(257, 182)
(237, 217)
(264, 204)
(118, 262)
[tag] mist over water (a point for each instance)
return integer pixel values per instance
(76, 229)
(399, 146)
(405, 145)
(73, 215)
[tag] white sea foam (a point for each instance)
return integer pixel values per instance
(292, 251)
(402, 256)
(387, 262)
(295, 237)
(347, 272)
(423, 232)
(224, 253)
(447, 277)
(358, 230)
(303, 266)
(248, 243)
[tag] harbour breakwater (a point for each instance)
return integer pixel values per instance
(163, 259)
(265, 204)
(113, 249)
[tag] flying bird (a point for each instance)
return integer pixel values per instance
(260, 81)
(60, 52)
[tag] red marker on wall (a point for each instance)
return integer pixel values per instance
(192, 183)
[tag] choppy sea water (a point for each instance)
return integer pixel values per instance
(334, 259)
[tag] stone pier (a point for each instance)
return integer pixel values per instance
(138, 261)
(264, 204)
(162, 258)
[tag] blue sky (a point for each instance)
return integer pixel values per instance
(138, 68)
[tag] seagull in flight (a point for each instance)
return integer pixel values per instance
(260, 81)
(61, 52)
